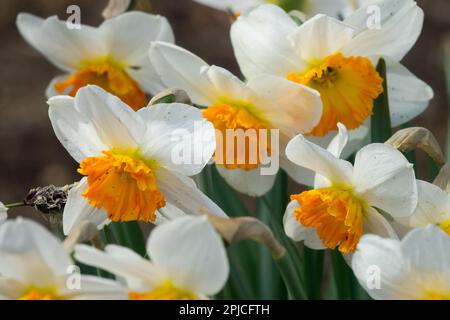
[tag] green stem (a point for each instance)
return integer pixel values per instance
(313, 267)
(275, 202)
(129, 234)
(381, 119)
(244, 254)
(15, 205)
(290, 277)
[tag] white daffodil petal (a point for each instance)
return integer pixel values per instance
(30, 253)
(191, 253)
(139, 273)
(296, 231)
(375, 223)
(93, 288)
(320, 37)
(237, 6)
(73, 129)
(78, 209)
(408, 95)
(182, 192)
(130, 35)
(288, 106)
(339, 141)
(310, 156)
(433, 206)
(177, 137)
(11, 289)
(383, 257)
(180, 68)
(147, 77)
(385, 179)
(3, 212)
(167, 213)
(227, 85)
(66, 46)
(117, 125)
(335, 147)
(252, 183)
(260, 44)
(400, 26)
(426, 251)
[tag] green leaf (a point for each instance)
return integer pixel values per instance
(313, 270)
(345, 284)
(129, 234)
(381, 119)
(244, 255)
(290, 265)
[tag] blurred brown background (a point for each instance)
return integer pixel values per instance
(32, 156)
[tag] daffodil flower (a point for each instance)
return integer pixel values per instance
(3, 212)
(346, 198)
(264, 103)
(129, 159)
(334, 8)
(112, 56)
(417, 267)
(35, 266)
(188, 261)
(338, 59)
(433, 207)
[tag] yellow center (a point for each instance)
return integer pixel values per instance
(335, 212)
(40, 294)
(108, 75)
(123, 184)
(240, 142)
(166, 291)
(445, 226)
(348, 87)
(437, 296)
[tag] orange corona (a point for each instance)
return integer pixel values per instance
(348, 87)
(123, 184)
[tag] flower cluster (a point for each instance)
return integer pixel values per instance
(314, 79)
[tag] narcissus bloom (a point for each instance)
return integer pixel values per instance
(345, 200)
(35, 266)
(112, 56)
(433, 207)
(334, 8)
(128, 157)
(417, 267)
(188, 261)
(338, 59)
(255, 108)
